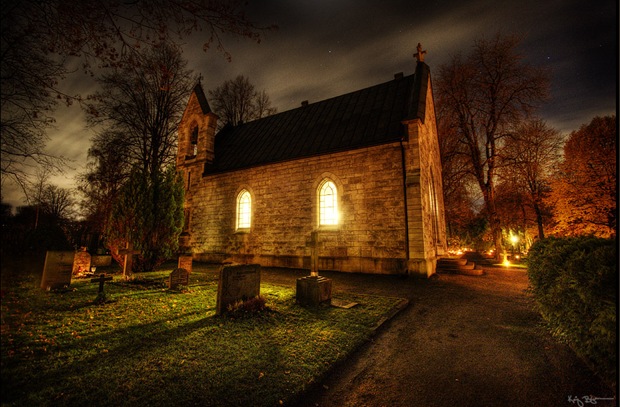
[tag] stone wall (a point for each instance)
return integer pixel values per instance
(371, 232)
(391, 219)
(427, 229)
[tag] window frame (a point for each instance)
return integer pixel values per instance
(193, 141)
(241, 213)
(332, 220)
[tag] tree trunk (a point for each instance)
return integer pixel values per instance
(494, 222)
(539, 221)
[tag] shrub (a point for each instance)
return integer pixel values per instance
(249, 306)
(574, 283)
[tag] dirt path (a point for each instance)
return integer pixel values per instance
(463, 341)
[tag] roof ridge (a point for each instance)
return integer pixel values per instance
(310, 104)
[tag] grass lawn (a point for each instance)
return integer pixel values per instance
(150, 346)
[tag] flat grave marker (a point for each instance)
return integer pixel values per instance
(57, 270)
(237, 283)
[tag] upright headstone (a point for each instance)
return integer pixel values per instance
(313, 290)
(237, 283)
(128, 252)
(313, 244)
(179, 276)
(57, 269)
(81, 262)
(185, 262)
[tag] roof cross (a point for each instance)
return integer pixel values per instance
(420, 54)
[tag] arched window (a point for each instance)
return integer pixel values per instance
(328, 204)
(194, 142)
(244, 210)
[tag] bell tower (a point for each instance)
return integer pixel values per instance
(196, 151)
(196, 144)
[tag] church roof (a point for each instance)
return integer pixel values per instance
(363, 118)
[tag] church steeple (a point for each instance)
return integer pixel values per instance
(417, 103)
(200, 96)
(196, 144)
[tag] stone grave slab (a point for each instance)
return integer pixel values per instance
(185, 262)
(313, 291)
(179, 276)
(100, 260)
(237, 282)
(57, 269)
(81, 262)
(338, 303)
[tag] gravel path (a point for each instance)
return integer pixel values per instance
(462, 341)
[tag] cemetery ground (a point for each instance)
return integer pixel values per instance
(149, 345)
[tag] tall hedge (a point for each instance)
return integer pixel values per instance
(575, 283)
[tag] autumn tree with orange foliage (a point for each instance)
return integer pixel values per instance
(584, 191)
(530, 156)
(486, 95)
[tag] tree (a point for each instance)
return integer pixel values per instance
(584, 191)
(149, 214)
(108, 166)
(42, 40)
(458, 201)
(140, 106)
(487, 94)
(28, 78)
(236, 101)
(58, 202)
(530, 156)
(48, 223)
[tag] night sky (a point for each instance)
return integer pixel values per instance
(324, 48)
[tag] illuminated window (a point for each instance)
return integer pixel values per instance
(244, 210)
(328, 204)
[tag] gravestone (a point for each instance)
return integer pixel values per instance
(313, 244)
(100, 260)
(81, 262)
(128, 252)
(57, 269)
(237, 283)
(185, 262)
(179, 276)
(313, 290)
(101, 280)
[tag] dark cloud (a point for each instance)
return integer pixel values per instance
(331, 47)
(324, 48)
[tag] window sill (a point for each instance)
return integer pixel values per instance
(328, 228)
(242, 231)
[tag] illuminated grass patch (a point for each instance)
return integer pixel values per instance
(152, 346)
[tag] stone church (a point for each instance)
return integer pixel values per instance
(357, 175)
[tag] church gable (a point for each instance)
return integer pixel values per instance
(198, 100)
